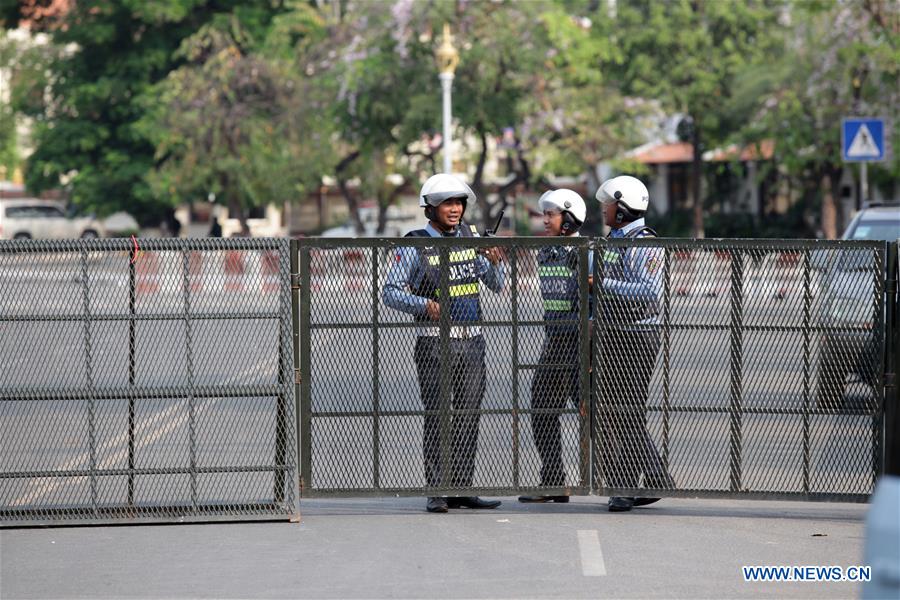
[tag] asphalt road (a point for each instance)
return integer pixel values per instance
(392, 548)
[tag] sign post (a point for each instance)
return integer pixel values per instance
(862, 141)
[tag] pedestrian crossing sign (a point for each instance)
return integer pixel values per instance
(862, 139)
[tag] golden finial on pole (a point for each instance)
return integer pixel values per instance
(447, 55)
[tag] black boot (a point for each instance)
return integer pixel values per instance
(644, 501)
(620, 504)
(471, 502)
(436, 504)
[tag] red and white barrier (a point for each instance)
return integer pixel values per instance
(702, 274)
(195, 271)
(234, 271)
(356, 270)
(146, 273)
(270, 270)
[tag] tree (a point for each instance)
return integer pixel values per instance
(842, 60)
(577, 115)
(376, 75)
(10, 57)
(688, 53)
(227, 122)
(503, 50)
(387, 95)
(86, 130)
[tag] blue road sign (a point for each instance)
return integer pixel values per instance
(862, 139)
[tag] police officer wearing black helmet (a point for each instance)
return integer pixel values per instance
(556, 381)
(413, 286)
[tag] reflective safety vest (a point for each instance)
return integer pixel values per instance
(621, 309)
(558, 273)
(464, 304)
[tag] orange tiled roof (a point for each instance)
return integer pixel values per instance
(764, 150)
(682, 152)
(677, 152)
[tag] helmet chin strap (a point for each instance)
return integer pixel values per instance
(432, 217)
(449, 232)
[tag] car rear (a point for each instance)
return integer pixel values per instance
(849, 346)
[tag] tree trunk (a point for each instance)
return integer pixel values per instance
(385, 199)
(234, 206)
(352, 206)
(478, 181)
(593, 224)
(834, 175)
(352, 203)
(829, 209)
(696, 173)
(832, 217)
(523, 176)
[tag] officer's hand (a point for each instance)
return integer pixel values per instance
(433, 309)
(494, 255)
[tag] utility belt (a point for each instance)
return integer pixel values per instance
(457, 332)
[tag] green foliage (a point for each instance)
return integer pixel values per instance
(86, 132)
(213, 121)
(141, 104)
(688, 54)
(843, 60)
(8, 139)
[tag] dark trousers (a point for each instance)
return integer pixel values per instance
(627, 361)
(551, 389)
(467, 385)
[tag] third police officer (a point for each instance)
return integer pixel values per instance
(630, 340)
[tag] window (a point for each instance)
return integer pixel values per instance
(49, 212)
(876, 230)
(20, 212)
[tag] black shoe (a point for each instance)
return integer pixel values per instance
(437, 505)
(620, 504)
(645, 501)
(471, 502)
(559, 499)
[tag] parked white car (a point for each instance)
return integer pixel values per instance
(30, 218)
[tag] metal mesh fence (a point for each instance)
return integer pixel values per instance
(152, 385)
(755, 369)
(750, 368)
(400, 401)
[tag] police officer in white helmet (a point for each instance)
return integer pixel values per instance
(413, 287)
(631, 292)
(554, 385)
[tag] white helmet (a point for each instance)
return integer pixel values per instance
(444, 186)
(625, 190)
(565, 201)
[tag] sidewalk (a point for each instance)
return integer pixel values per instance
(374, 548)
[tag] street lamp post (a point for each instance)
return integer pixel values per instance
(447, 58)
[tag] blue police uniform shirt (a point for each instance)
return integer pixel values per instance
(408, 272)
(562, 288)
(642, 269)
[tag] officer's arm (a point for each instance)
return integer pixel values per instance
(645, 275)
(493, 276)
(395, 293)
